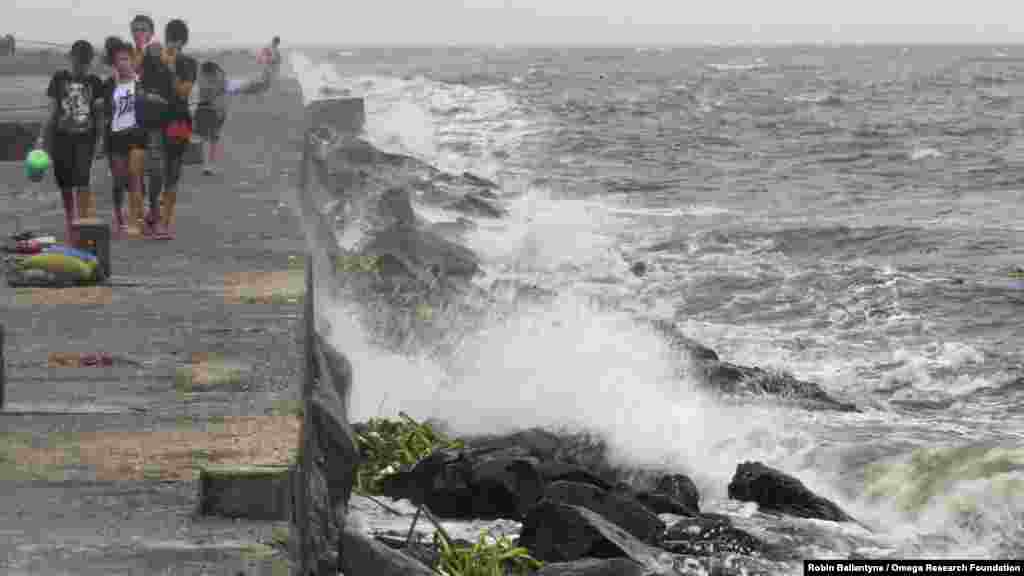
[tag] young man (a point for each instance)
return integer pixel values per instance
(155, 92)
(70, 133)
(178, 130)
(126, 140)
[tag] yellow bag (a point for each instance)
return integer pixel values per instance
(64, 266)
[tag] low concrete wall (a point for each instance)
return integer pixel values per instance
(328, 454)
(253, 492)
(17, 135)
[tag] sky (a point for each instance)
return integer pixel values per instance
(633, 22)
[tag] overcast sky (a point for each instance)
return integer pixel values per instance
(531, 21)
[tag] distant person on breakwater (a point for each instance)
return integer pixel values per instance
(270, 58)
(70, 133)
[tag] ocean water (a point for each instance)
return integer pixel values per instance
(852, 215)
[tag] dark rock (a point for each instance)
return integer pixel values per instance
(560, 533)
(421, 251)
(638, 269)
(396, 205)
(680, 488)
(553, 472)
(363, 555)
(777, 491)
(729, 378)
(594, 567)
(478, 180)
(676, 339)
(674, 494)
(475, 204)
(714, 535)
(425, 553)
(580, 450)
(464, 485)
(616, 507)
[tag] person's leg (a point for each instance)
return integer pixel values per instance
(136, 170)
(155, 170)
(61, 152)
(84, 153)
(119, 169)
(174, 157)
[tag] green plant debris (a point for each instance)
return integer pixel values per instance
(388, 446)
(213, 373)
(356, 263)
(490, 556)
(286, 408)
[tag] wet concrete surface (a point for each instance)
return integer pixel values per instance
(166, 303)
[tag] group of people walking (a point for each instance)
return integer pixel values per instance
(142, 118)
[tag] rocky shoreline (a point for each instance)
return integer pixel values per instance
(580, 514)
(571, 506)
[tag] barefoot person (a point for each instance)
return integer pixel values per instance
(156, 94)
(211, 113)
(126, 140)
(178, 127)
(70, 133)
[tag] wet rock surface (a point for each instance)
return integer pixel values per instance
(777, 491)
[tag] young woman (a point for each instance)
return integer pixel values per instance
(126, 138)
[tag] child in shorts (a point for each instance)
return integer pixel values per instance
(126, 138)
(71, 131)
(211, 113)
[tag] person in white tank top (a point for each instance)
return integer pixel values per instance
(127, 138)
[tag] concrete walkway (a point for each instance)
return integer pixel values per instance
(170, 304)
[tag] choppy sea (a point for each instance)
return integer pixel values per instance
(852, 215)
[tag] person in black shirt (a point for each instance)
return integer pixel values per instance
(167, 77)
(70, 133)
(178, 133)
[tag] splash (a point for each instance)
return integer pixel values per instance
(965, 499)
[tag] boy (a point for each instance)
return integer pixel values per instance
(211, 112)
(70, 133)
(178, 74)
(156, 89)
(125, 139)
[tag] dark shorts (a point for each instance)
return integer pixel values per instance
(72, 159)
(120, 143)
(209, 123)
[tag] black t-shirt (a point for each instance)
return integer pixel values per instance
(158, 79)
(76, 97)
(186, 69)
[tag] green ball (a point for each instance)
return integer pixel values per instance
(36, 165)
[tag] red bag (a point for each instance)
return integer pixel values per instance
(180, 130)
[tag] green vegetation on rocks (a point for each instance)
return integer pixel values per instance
(496, 557)
(388, 446)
